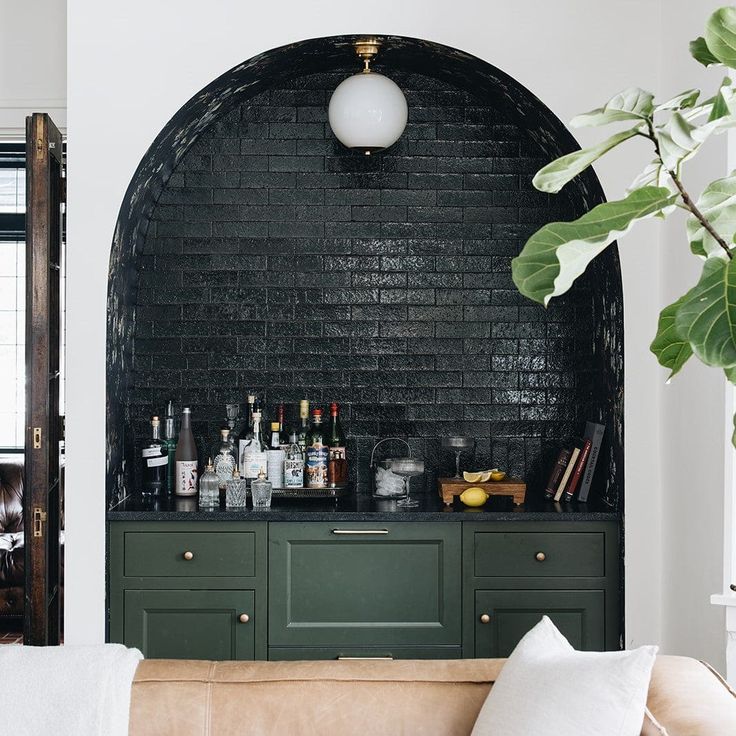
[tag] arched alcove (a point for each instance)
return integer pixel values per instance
(252, 251)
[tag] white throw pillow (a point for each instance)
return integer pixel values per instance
(546, 688)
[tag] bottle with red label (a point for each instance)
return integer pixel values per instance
(317, 453)
(337, 463)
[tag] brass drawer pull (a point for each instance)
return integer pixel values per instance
(540, 557)
(485, 618)
(188, 555)
(244, 618)
(350, 659)
(360, 531)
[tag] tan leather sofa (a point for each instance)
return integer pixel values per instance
(381, 698)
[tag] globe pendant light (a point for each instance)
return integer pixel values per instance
(367, 111)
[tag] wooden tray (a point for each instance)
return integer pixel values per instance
(450, 487)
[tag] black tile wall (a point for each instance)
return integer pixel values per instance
(278, 261)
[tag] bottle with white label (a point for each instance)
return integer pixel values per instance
(253, 457)
(276, 457)
(294, 464)
(155, 459)
(186, 458)
(317, 453)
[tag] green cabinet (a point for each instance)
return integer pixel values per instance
(191, 624)
(364, 585)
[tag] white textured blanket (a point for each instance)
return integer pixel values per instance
(67, 690)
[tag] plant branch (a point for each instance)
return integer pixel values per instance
(685, 196)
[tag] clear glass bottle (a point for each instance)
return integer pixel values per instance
(209, 488)
(225, 459)
(303, 424)
(276, 457)
(261, 491)
(337, 463)
(155, 459)
(236, 491)
(253, 458)
(294, 464)
(186, 458)
(317, 453)
(170, 442)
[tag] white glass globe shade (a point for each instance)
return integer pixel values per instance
(368, 112)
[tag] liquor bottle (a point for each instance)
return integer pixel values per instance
(209, 488)
(253, 456)
(251, 404)
(304, 420)
(186, 458)
(317, 453)
(294, 464)
(276, 457)
(236, 491)
(225, 459)
(337, 463)
(283, 434)
(155, 462)
(170, 442)
(261, 491)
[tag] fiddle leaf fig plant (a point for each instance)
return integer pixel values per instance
(702, 322)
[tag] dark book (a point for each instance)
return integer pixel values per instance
(557, 472)
(577, 472)
(594, 433)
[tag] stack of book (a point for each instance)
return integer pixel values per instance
(573, 472)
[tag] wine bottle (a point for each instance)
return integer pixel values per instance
(276, 457)
(337, 463)
(186, 458)
(170, 442)
(155, 462)
(317, 453)
(304, 424)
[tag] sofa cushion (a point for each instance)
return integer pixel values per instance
(12, 559)
(11, 602)
(11, 495)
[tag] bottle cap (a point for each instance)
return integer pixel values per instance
(210, 466)
(304, 408)
(155, 421)
(186, 410)
(251, 398)
(274, 426)
(316, 412)
(261, 476)
(334, 409)
(224, 433)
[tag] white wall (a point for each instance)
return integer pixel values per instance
(32, 63)
(132, 65)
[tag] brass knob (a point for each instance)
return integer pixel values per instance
(244, 618)
(188, 555)
(540, 557)
(485, 618)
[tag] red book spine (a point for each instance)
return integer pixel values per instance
(577, 474)
(557, 472)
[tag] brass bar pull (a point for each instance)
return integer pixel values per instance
(351, 659)
(360, 531)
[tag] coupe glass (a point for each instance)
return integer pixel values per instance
(407, 467)
(458, 445)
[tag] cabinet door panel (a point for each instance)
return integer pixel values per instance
(578, 614)
(190, 624)
(399, 585)
(301, 653)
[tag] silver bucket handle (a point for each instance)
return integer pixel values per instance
(387, 439)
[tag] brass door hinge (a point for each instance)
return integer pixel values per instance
(37, 438)
(39, 518)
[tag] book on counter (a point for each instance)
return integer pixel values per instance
(575, 466)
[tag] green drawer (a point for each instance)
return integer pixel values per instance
(539, 554)
(364, 585)
(302, 653)
(189, 554)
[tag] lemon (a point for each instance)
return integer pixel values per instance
(473, 477)
(497, 475)
(473, 496)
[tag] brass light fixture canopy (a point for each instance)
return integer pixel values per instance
(367, 112)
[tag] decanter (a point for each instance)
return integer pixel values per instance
(236, 491)
(209, 488)
(261, 490)
(225, 458)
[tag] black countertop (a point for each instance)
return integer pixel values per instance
(358, 508)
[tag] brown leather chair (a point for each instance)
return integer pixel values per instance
(12, 553)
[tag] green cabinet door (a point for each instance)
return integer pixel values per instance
(502, 617)
(190, 624)
(364, 585)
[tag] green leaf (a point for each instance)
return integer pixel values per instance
(678, 140)
(700, 52)
(671, 349)
(631, 104)
(720, 36)
(718, 205)
(707, 315)
(730, 374)
(559, 252)
(682, 101)
(556, 174)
